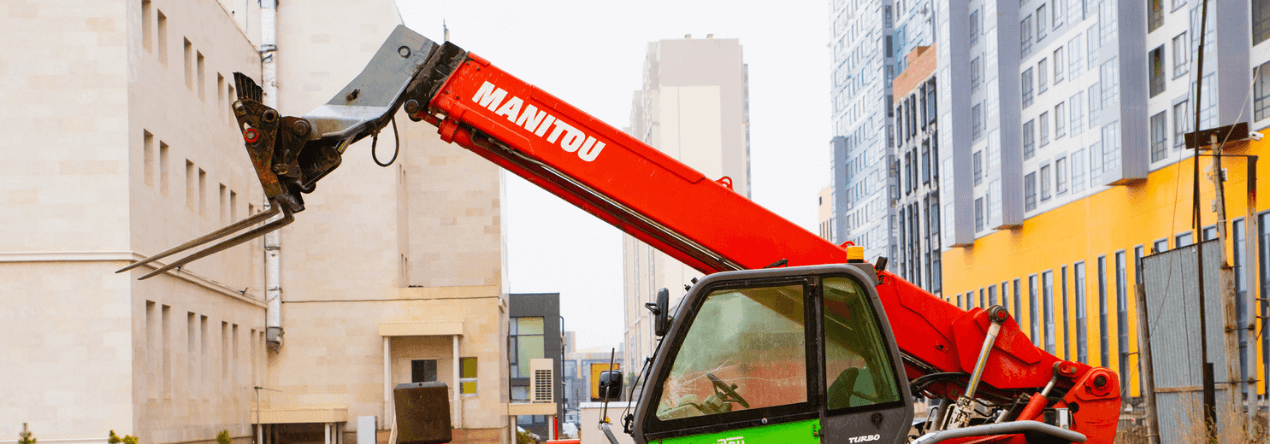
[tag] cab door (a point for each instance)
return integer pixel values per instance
(865, 399)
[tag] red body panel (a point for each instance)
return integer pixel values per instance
(708, 226)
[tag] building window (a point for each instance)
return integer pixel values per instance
(1208, 107)
(992, 294)
(1092, 44)
(1029, 191)
(1025, 35)
(1159, 137)
(189, 65)
(1122, 321)
(1034, 320)
(1082, 340)
(936, 276)
(1017, 299)
(1060, 120)
(1104, 348)
(1107, 20)
(1160, 246)
(932, 105)
(161, 36)
(1041, 23)
(1026, 82)
(1067, 341)
(1095, 163)
(1073, 55)
(1058, 65)
(975, 74)
(978, 158)
(976, 122)
(423, 370)
(1095, 104)
(1045, 183)
(1042, 76)
(1181, 123)
(525, 343)
(467, 376)
(1078, 113)
(1261, 91)
(1060, 175)
(978, 214)
(1029, 140)
(1260, 21)
(1181, 55)
(1263, 246)
(1155, 15)
(1047, 303)
(1243, 314)
(1111, 145)
(1109, 78)
(974, 26)
(1155, 69)
(926, 161)
(1078, 170)
(1044, 121)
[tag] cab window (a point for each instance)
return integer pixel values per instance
(858, 368)
(746, 349)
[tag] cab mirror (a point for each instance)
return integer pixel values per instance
(661, 317)
(610, 385)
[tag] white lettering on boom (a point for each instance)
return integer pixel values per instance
(538, 122)
(489, 96)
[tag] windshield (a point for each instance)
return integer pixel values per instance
(858, 369)
(746, 349)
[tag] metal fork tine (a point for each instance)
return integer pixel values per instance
(229, 229)
(286, 219)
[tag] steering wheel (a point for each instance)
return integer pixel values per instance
(725, 391)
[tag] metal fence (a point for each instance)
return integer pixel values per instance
(1171, 282)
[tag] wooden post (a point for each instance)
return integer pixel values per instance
(1147, 367)
(1226, 280)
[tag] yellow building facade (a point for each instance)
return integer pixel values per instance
(1087, 250)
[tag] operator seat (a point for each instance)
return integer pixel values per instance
(840, 392)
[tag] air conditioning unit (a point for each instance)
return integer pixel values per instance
(542, 380)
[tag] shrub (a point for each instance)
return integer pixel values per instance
(127, 439)
(26, 436)
(223, 437)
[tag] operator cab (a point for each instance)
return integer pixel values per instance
(795, 354)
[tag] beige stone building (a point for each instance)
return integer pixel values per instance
(694, 106)
(117, 115)
(122, 145)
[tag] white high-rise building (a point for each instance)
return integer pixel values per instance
(694, 108)
(862, 150)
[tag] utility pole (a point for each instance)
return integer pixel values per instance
(1206, 369)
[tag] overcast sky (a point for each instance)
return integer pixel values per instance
(590, 53)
